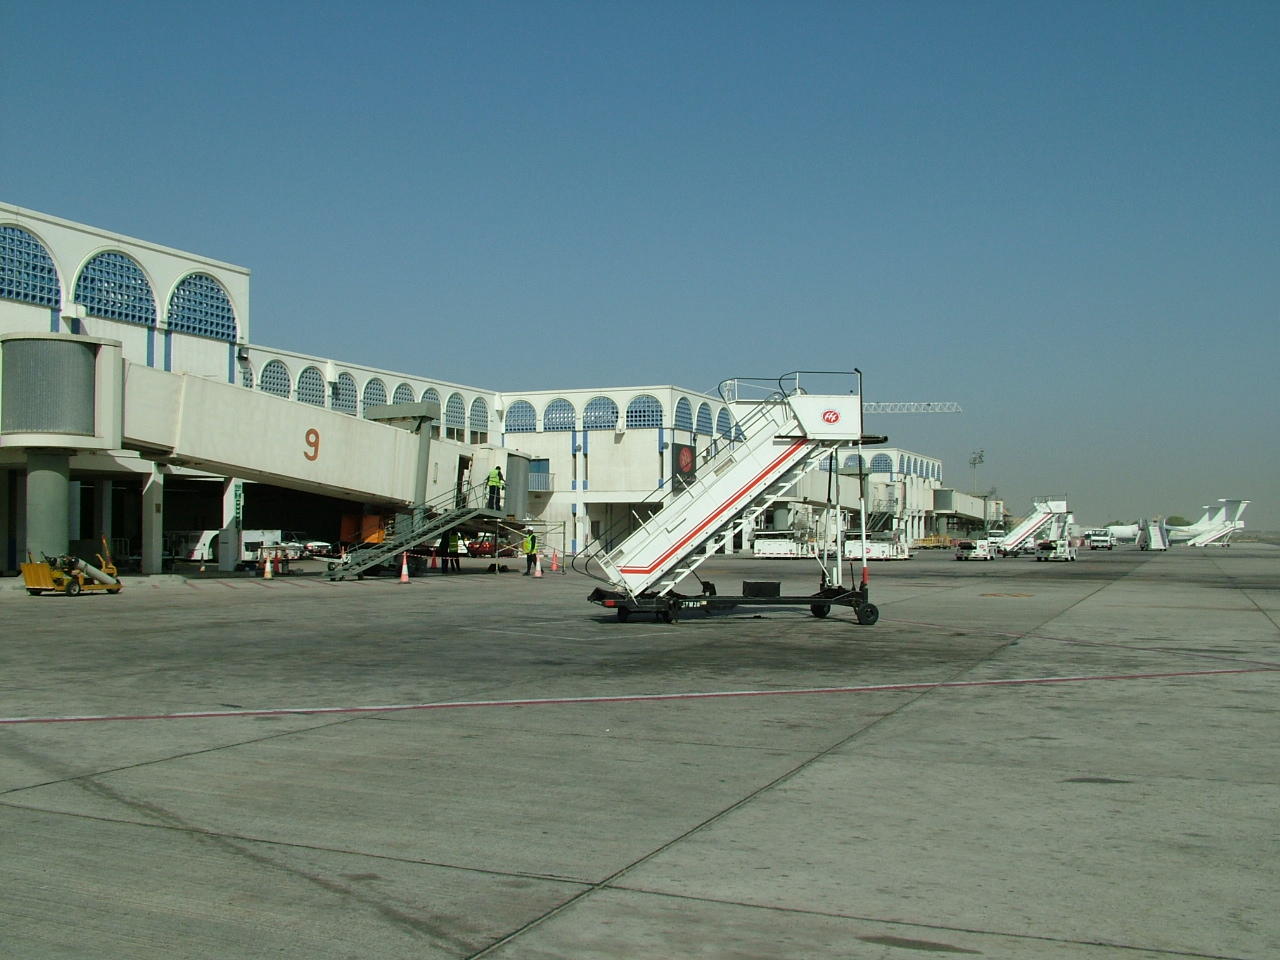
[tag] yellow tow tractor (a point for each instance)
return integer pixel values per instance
(70, 575)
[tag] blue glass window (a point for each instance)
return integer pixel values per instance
(275, 379)
(113, 286)
(430, 395)
(855, 462)
(455, 418)
(27, 272)
(644, 411)
(478, 421)
(311, 387)
(724, 423)
(559, 415)
(601, 413)
(403, 394)
(375, 392)
(684, 415)
(881, 463)
(344, 394)
(521, 417)
(704, 419)
(199, 305)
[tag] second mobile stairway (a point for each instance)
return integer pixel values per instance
(777, 442)
(1152, 535)
(1044, 510)
(424, 523)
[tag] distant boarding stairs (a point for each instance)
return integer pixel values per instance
(1044, 511)
(1225, 522)
(777, 443)
(425, 522)
(1152, 535)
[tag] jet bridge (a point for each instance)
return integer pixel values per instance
(721, 491)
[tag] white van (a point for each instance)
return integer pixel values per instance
(974, 550)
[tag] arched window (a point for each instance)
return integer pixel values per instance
(478, 421)
(724, 423)
(311, 387)
(430, 395)
(275, 379)
(455, 418)
(113, 286)
(344, 394)
(27, 272)
(403, 394)
(902, 463)
(684, 415)
(644, 411)
(559, 415)
(601, 413)
(375, 392)
(855, 462)
(704, 419)
(200, 306)
(881, 463)
(521, 418)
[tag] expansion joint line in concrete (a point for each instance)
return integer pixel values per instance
(1257, 606)
(610, 881)
(925, 925)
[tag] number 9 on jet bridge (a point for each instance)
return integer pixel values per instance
(831, 416)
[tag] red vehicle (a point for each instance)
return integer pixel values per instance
(486, 543)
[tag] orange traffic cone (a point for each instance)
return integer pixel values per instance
(555, 561)
(266, 569)
(433, 560)
(404, 567)
(537, 564)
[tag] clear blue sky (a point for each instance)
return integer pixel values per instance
(1062, 215)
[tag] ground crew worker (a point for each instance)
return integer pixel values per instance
(455, 551)
(496, 483)
(530, 550)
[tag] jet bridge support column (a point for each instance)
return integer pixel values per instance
(48, 502)
(229, 535)
(153, 520)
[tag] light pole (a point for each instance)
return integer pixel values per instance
(973, 462)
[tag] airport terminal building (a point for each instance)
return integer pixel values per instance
(134, 402)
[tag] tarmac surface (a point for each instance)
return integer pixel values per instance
(1021, 759)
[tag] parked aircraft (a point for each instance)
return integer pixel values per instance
(1217, 524)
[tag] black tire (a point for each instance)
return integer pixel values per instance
(73, 588)
(819, 610)
(868, 614)
(34, 592)
(666, 616)
(623, 614)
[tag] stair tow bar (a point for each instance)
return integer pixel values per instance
(776, 442)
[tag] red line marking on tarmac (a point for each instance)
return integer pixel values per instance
(633, 698)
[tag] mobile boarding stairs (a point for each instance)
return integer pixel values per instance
(424, 523)
(778, 441)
